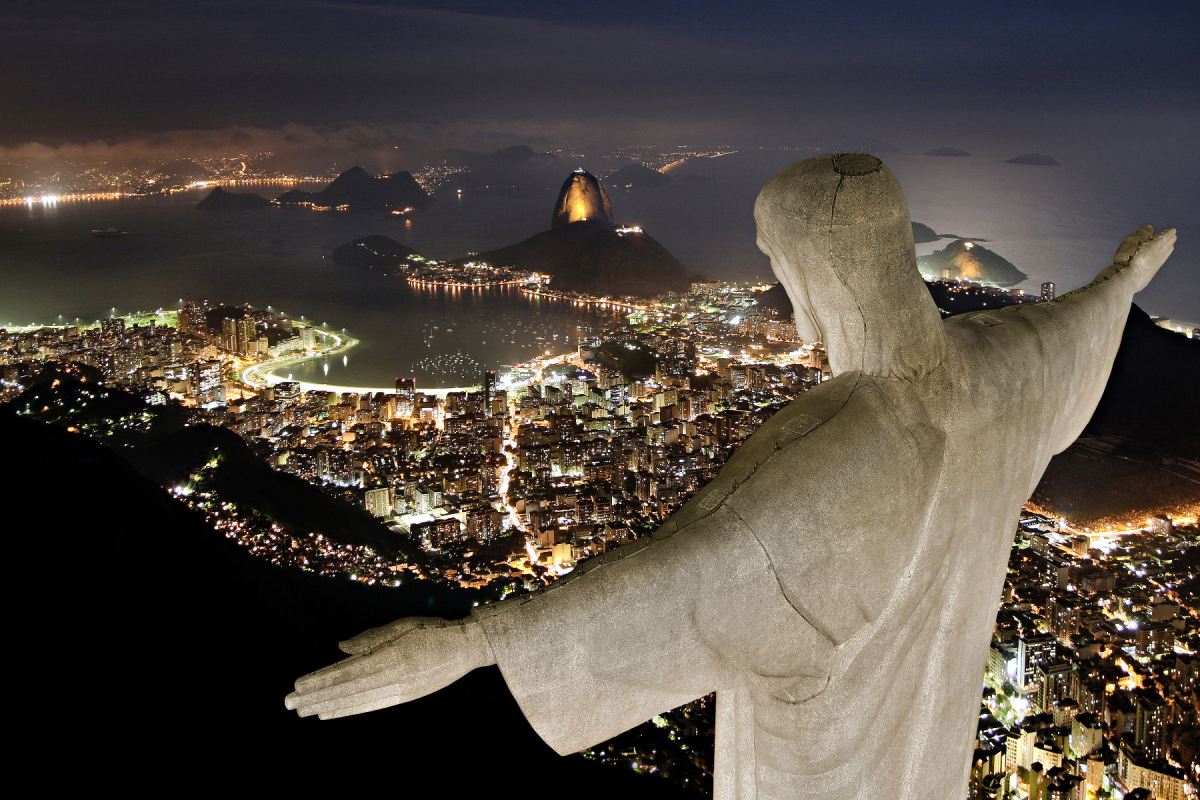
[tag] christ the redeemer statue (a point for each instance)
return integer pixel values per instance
(837, 583)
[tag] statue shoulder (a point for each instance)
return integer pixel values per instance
(838, 498)
(820, 406)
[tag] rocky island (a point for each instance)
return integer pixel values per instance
(923, 234)
(963, 259)
(376, 252)
(584, 250)
(358, 190)
(220, 200)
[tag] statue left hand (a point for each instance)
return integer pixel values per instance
(1144, 252)
(392, 664)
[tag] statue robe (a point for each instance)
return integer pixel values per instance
(837, 583)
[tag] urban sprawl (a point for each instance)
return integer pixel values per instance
(1092, 677)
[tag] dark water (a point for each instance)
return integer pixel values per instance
(51, 265)
(1060, 224)
(1055, 223)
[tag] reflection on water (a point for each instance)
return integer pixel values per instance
(52, 265)
(448, 337)
(1055, 223)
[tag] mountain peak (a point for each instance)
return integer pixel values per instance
(964, 259)
(360, 189)
(582, 198)
(220, 200)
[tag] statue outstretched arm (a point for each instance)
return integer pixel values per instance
(1077, 335)
(641, 630)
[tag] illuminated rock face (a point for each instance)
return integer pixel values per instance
(967, 260)
(581, 199)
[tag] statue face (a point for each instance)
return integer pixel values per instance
(796, 287)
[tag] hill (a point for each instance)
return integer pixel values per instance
(1151, 394)
(593, 256)
(220, 200)
(375, 252)
(166, 651)
(160, 443)
(362, 191)
(581, 198)
(1140, 451)
(969, 260)
(923, 234)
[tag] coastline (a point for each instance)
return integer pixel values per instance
(332, 343)
(265, 373)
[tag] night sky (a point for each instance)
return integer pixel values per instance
(214, 74)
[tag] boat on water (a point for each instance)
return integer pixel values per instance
(108, 233)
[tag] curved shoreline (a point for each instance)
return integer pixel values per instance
(265, 373)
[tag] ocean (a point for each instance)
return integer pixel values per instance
(1060, 224)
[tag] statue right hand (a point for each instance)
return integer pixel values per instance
(392, 664)
(1144, 252)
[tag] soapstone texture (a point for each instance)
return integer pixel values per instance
(837, 583)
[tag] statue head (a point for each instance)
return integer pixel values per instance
(837, 231)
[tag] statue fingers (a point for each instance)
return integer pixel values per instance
(360, 709)
(1163, 244)
(340, 672)
(313, 695)
(381, 697)
(422, 660)
(1151, 255)
(399, 683)
(386, 701)
(344, 706)
(1131, 244)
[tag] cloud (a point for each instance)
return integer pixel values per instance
(299, 146)
(290, 76)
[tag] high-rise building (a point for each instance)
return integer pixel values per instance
(1087, 735)
(1034, 651)
(229, 334)
(1161, 781)
(406, 398)
(436, 533)
(1150, 723)
(247, 332)
(489, 391)
(378, 502)
(191, 320)
(1019, 749)
(1048, 291)
(209, 387)
(239, 335)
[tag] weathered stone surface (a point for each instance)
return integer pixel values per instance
(837, 583)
